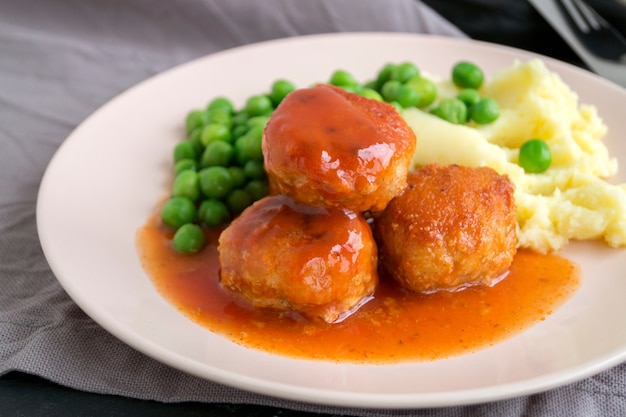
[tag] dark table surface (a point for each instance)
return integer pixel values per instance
(513, 23)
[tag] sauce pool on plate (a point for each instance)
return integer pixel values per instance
(394, 326)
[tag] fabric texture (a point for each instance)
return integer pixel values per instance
(60, 60)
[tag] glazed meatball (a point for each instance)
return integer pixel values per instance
(452, 227)
(323, 146)
(319, 262)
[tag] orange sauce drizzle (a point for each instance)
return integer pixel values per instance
(395, 326)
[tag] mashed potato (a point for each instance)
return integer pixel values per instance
(571, 200)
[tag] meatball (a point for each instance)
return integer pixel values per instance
(452, 227)
(319, 262)
(323, 146)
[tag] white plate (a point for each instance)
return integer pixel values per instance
(105, 179)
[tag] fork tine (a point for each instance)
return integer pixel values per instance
(593, 19)
(576, 16)
(597, 35)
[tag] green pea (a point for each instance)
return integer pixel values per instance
(426, 90)
(396, 105)
(469, 96)
(407, 96)
(390, 90)
(221, 103)
(485, 111)
(280, 89)
(404, 71)
(384, 75)
(241, 156)
(342, 78)
(257, 189)
(214, 132)
(371, 85)
(201, 208)
(185, 165)
(195, 137)
(218, 153)
(189, 238)
(238, 200)
(187, 184)
(535, 156)
(216, 182)
(467, 75)
(239, 176)
(185, 150)
(257, 121)
(177, 211)
(252, 144)
(354, 89)
(452, 110)
(371, 93)
(254, 169)
(239, 130)
(240, 118)
(195, 119)
(213, 213)
(258, 105)
(220, 117)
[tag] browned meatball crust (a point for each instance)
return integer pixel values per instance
(452, 227)
(324, 146)
(319, 262)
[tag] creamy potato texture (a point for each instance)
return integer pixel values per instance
(572, 200)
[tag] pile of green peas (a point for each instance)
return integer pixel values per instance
(468, 104)
(218, 167)
(403, 86)
(400, 85)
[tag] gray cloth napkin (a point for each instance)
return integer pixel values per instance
(62, 59)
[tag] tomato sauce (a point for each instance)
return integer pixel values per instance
(324, 145)
(394, 326)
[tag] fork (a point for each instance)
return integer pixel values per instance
(594, 32)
